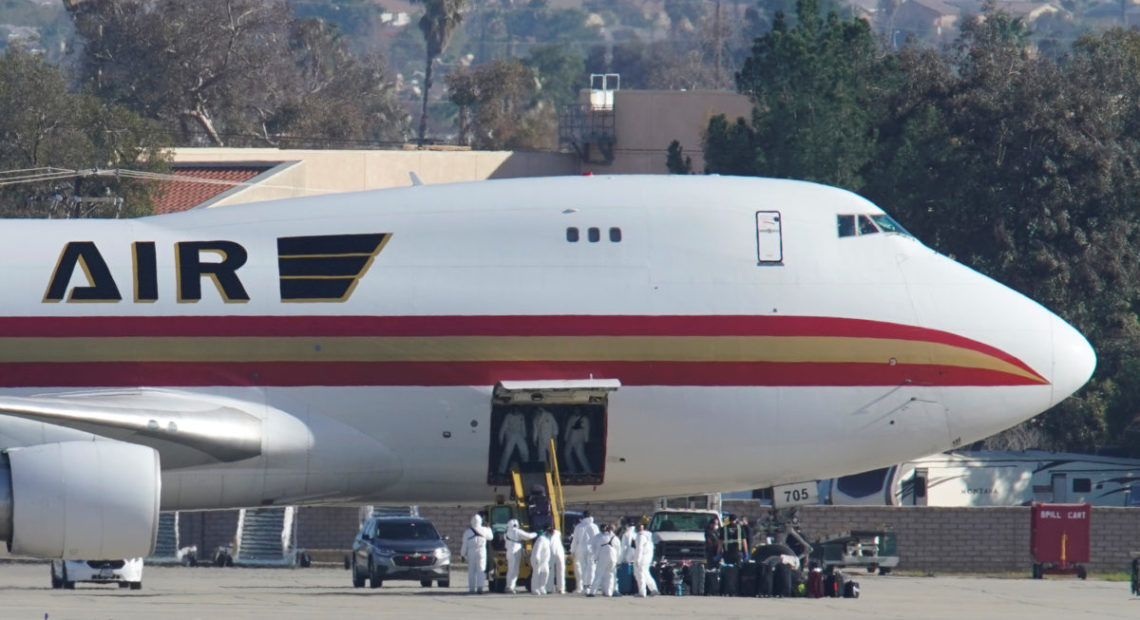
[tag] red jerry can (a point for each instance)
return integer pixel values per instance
(1059, 539)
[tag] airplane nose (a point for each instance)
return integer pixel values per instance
(1073, 360)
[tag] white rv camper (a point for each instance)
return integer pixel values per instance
(981, 478)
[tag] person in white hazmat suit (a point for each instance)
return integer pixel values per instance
(628, 552)
(474, 550)
(557, 580)
(515, 539)
(540, 563)
(576, 436)
(545, 429)
(512, 436)
(605, 547)
(643, 549)
(584, 532)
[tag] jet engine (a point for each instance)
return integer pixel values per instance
(80, 500)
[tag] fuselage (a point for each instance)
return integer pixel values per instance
(754, 345)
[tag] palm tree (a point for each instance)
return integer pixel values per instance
(441, 18)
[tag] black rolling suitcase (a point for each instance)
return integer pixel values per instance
(835, 584)
(712, 582)
(851, 589)
(666, 579)
(697, 579)
(782, 586)
(730, 580)
(749, 579)
(767, 579)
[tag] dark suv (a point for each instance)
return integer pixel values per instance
(407, 548)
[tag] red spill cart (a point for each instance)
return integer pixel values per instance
(1059, 539)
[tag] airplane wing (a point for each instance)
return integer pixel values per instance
(185, 429)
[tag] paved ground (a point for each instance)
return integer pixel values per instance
(261, 594)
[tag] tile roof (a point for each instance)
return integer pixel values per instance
(175, 196)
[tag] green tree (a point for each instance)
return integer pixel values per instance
(561, 73)
(499, 108)
(440, 19)
(730, 148)
(233, 71)
(676, 161)
(46, 125)
(815, 104)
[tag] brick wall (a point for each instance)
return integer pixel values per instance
(929, 539)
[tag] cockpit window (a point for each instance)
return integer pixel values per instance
(865, 224)
(846, 225)
(888, 224)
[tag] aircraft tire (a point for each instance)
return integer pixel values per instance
(443, 583)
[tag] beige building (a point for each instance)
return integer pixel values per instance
(628, 134)
(629, 131)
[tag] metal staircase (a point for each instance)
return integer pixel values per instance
(166, 545)
(265, 536)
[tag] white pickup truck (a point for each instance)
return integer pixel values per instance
(679, 534)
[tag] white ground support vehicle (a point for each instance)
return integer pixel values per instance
(679, 533)
(127, 573)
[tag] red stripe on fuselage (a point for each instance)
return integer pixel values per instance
(284, 374)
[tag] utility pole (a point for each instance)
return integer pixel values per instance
(719, 41)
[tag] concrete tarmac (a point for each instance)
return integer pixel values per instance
(274, 594)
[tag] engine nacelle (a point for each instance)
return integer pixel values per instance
(80, 500)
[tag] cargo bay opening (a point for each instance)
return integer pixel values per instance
(527, 415)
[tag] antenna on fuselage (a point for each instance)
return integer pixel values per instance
(416, 180)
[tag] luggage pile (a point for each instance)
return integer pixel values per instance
(772, 577)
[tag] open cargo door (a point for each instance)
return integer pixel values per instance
(527, 415)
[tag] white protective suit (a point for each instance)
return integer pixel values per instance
(557, 580)
(643, 545)
(474, 549)
(576, 435)
(628, 551)
(514, 540)
(545, 429)
(605, 548)
(512, 436)
(584, 532)
(540, 564)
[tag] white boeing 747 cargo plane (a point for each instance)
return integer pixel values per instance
(671, 335)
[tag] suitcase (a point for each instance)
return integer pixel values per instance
(730, 580)
(625, 582)
(815, 584)
(767, 575)
(782, 586)
(697, 579)
(712, 583)
(851, 589)
(750, 579)
(666, 580)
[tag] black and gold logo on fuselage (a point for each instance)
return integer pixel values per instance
(324, 268)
